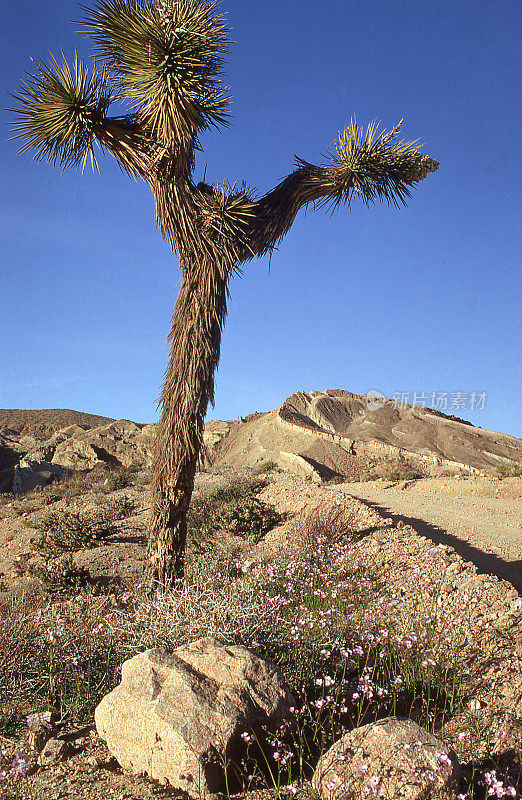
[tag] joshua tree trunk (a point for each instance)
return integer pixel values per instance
(212, 251)
(195, 340)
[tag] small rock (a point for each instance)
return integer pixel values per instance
(55, 750)
(516, 606)
(39, 729)
(455, 566)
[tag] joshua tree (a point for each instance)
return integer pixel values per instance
(163, 58)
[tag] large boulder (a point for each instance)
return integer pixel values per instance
(30, 474)
(175, 715)
(389, 758)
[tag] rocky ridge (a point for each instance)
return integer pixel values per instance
(26, 462)
(313, 434)
(335, 432)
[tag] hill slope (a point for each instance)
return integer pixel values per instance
(42, 424)
(337, 432)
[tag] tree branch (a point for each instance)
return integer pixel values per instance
(367, 164)
(274, 214)
(123, 138)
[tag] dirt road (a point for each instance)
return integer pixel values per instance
(484, 530)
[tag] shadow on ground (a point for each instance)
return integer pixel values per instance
(486, 563)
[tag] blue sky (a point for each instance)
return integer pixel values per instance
(425, 299)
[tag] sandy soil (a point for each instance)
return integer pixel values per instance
(479, 518)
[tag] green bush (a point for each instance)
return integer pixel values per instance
(264, 467)
(70, 531)
(233, 511)
(56, 574)
(399, 469)
(336, 480)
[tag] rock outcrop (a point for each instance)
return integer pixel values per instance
(175, 716)
(389, 758)
(119, 444)
(29, 474)
(27, 462)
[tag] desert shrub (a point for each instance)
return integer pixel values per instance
(142, 478)
(508, 471)
(70, 531)
(51, 497)
(114, 478)
(233, 511)
(264, 467)
(121, 508)
(337, 479)
(329, 523)
(62, 533)
(102, 478)
(76, 484)
(398, 469)
(56, 574)
(361, 472)
(265, 608)
(71, 485)
(117, 479)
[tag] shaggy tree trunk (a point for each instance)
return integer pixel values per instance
(189, 386)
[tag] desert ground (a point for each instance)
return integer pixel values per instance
(435, 557)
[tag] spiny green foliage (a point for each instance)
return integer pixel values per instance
(228, 212)
(165, 59)
(60, 111)
(376, 166)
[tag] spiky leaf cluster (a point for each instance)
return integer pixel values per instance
(165, 58)
(226, 213)
(376, 165)
(60, 111)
